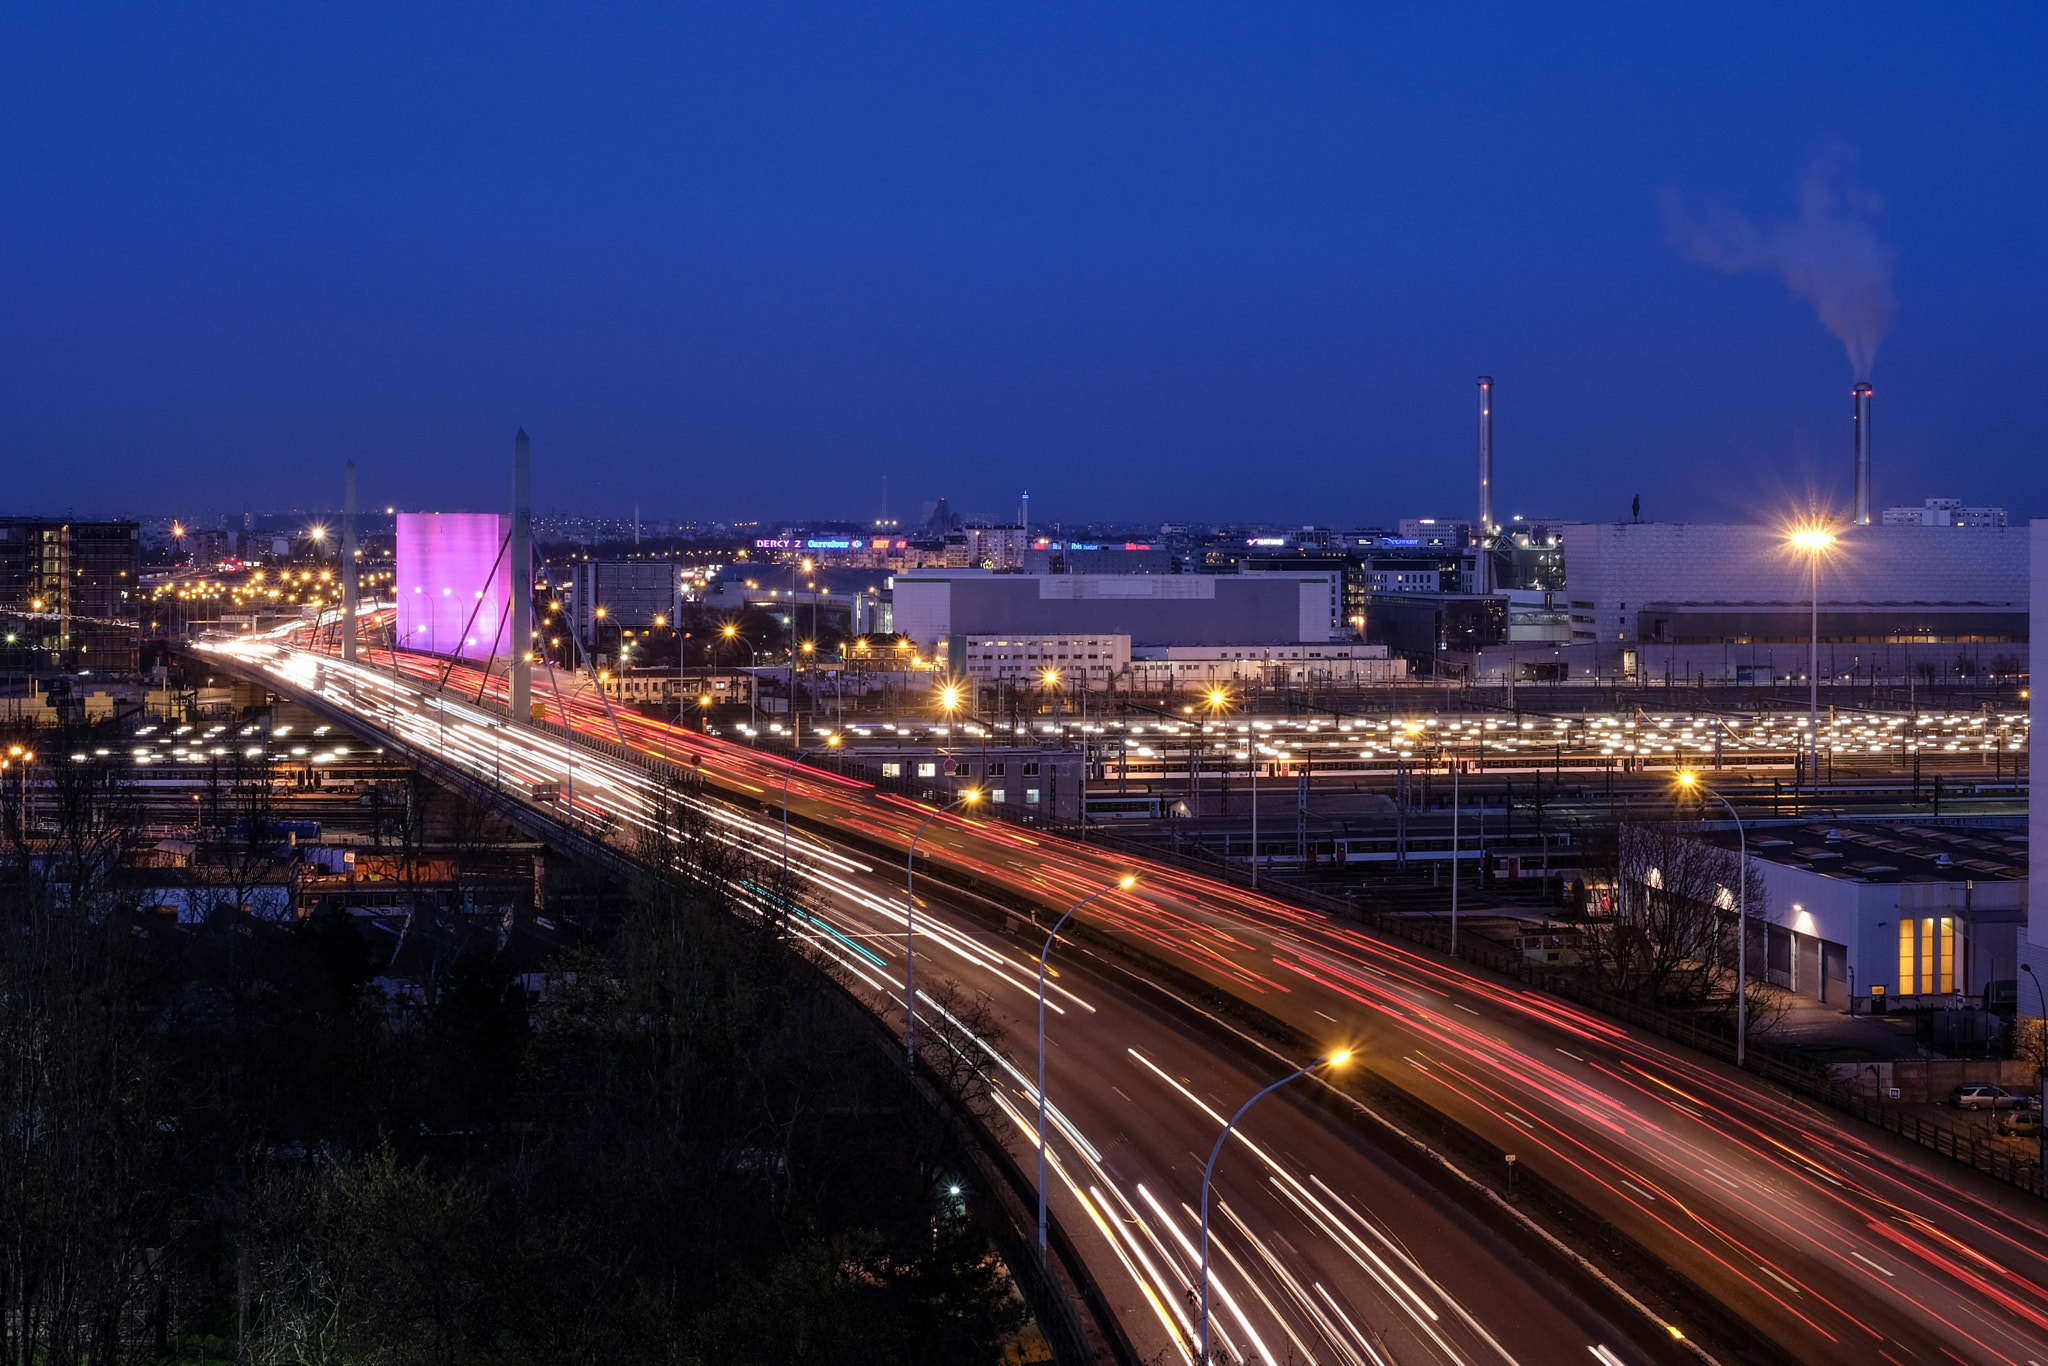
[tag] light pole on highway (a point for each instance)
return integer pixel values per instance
(1454, 854)
(2043, 999)
(732, 632)
(1692, 780)
(1331, 1060)
(1813, 540)
(966, 798)
(1124, 884)
(789, 773)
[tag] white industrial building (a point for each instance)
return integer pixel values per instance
(1166, 668)
(1877, 583)
(1871, 916)
(1943, 512)
(1092, 661)
(1290, 607)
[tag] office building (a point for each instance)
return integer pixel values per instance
(69, 597)
(633, 595)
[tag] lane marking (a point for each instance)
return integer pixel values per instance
(1776, 1277)
(1331, 1018)
(1575, 1058)
(1875, 1267)
(1637, 1189)
(1120, 1091)
(1467, 1009)
(1731, 1185)
(1514, 1118)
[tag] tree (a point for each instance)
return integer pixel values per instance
(1667, 936)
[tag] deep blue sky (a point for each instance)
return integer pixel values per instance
(1179, 260)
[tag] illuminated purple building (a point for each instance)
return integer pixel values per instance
(454, 584)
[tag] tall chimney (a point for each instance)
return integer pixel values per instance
(1862, 392)
(1485, 456)
(520, 647)
(348, 562)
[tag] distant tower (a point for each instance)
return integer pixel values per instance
(1024, 518)
(1485, 456)
(1862, 392)
(520, 647)
(348, 562)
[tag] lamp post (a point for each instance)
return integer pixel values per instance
(2043, 999)
(1124, 884)
(1331, 1060)
(966, 798)
(1454, 854)
(1216, 701)
(731, 632)
(1691, 780)
(1813, 541)
(1251, 754)
(789, 773)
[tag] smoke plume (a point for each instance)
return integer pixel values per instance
(1830, 255)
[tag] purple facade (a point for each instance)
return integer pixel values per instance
(454, 584)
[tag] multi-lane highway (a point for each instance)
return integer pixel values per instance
(1829, 1241)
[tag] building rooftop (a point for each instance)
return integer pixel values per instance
(1902, 851)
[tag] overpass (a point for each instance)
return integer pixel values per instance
(1726, 1220)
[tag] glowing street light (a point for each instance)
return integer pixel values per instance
(1690, 781)
(1814, 540)
(1336, 1059)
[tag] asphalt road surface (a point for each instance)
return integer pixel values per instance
(1832, 1241)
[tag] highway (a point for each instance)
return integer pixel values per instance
(1831, 1242)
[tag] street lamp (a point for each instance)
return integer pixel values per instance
(1692, 781)
(732, 632)
(967, 798)
(1124, 883)
(2043, 999)
(1216, 701)
(1335, 1059)
(832, 743)
(1813, 540)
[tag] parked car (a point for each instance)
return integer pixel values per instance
(2024, 1123)
(1978, 1095)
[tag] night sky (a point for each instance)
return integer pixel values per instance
(1173, 261)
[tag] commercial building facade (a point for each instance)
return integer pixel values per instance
(69, 596)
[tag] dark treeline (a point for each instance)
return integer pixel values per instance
(231, 1141)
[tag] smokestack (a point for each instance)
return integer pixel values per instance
(1485, 456)
(348, 562)
(1862, 392)
(521, 550)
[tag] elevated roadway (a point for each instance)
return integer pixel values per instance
(1796, 1234)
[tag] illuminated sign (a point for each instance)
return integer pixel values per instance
(1134, 545)
(1267, 540)
(454, 584)
(1400, 540)
(790, 543)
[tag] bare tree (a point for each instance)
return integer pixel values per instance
(1667, 934)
